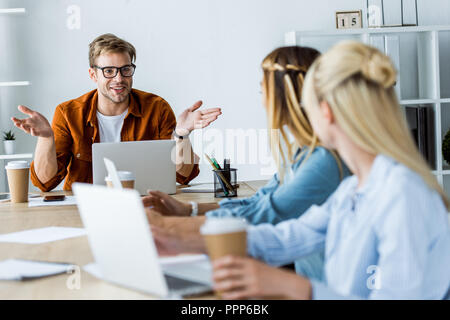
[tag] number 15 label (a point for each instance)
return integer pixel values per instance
(348, 20)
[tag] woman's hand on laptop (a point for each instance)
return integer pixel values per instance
(192, 118)
(36, 124)
(166, 204)
(243, 277)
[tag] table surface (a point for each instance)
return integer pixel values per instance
(18, 217)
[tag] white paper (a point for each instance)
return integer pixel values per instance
(42, 235)
(39, 202)
(15, 269)
(30, 196)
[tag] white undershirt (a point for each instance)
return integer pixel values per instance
(110, 127)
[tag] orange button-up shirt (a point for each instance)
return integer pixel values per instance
(75, 129)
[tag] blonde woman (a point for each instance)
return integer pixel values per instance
(385, 229)
(314, 174)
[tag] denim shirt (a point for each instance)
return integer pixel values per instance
(310, 182)
(389, 239)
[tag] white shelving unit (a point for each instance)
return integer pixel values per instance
(424, 71)
(16, 156)
(14, 83)
(12, 11)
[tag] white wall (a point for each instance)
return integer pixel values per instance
(186, 50)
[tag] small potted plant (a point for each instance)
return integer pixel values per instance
(9, 141)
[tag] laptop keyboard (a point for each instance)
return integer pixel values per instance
(185, 287)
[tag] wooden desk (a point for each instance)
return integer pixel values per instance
(18, 217)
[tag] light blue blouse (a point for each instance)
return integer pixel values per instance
(388, 240)
(311, 182)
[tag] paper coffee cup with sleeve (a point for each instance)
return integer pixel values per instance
(18, 173)
(127, 178)
(225, 236)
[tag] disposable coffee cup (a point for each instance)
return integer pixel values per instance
(127, 179)
(225, 236)
(18, 176)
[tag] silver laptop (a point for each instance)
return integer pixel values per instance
(150, 161)
(123, 246)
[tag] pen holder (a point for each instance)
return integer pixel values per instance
(225, 183)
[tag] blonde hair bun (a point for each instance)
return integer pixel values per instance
(379, 69)
(356, 81)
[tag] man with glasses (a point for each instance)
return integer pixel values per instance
(113, 112)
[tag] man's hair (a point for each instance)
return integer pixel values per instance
(109, 43)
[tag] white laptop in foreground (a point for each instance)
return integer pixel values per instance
(122, 244)
(150, 161)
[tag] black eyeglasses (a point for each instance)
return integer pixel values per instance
(111, 72)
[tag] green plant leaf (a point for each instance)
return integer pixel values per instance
(8, 135)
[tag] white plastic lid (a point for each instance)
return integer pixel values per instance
(17, 165)
(216, 225)
(123, 176)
